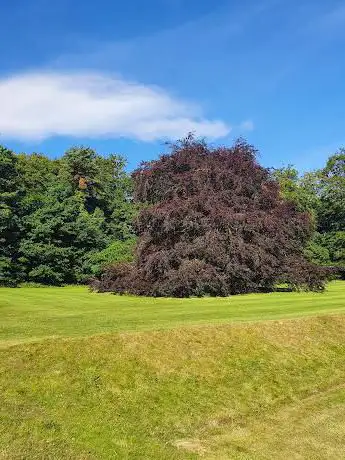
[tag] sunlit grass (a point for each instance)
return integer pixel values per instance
(34, 313)
(177, 389)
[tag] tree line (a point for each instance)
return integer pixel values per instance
(60, 220)
(321, 193)
(198, 220)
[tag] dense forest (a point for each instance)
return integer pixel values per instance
(63, 220)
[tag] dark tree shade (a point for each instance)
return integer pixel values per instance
(213, 223)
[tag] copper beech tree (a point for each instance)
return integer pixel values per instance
(213, 222)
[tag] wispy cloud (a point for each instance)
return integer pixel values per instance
(37, 106)
(247, 125)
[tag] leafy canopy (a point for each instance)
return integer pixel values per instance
(213, 223)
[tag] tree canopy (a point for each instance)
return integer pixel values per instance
(322, 193)
(213, 222)
(56, 214)
(197, 221)
(9, 216)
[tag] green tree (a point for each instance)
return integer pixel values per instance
(9, 219)
(36, 172)
(328, 187)
(332, 209)
(302, 190)
(58, 236)
(75, 207)
(105, 185)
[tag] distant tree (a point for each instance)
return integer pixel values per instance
(334, 242)
(322, 193)
(116, 196)
(213, 223)
(36, 172)
(329, 186)
(58, 235)
(332, 194)
(9, 217)
(74, 208)
(104, 184)
(302, 190)
(317, 250)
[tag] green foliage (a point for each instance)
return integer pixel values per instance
(317, 252)
(78, 162)
(117, 251)
(62, 220)
(332, 212)
(9, 219)
(334, 242)
(33, 285)
(54, 214)
(288, 179)
(303, 191)
(36, 172)
(322, 193)
(56, 236)
(59, 235)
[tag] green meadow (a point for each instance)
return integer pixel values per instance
(98, 376)
(29, 314)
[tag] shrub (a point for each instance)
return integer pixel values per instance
(117, 251)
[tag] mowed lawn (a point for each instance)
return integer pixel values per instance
(33, 313)
(88, 376)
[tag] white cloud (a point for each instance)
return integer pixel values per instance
(37, 106)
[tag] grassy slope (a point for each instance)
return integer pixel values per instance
(34, 313)
(259, 390)
(250, 391)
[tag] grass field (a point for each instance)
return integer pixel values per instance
(88, 376)
(29, 314)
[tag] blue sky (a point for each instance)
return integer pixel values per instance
(124, 76)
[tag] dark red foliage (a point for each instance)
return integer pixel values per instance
(122, 277)
(213, 223)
